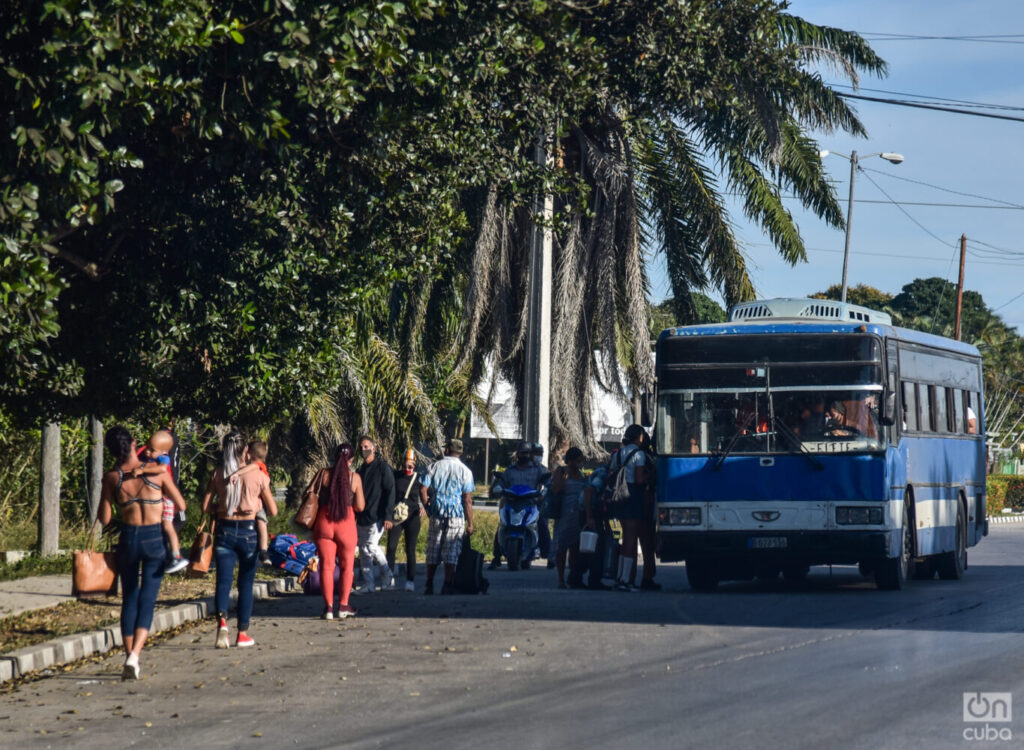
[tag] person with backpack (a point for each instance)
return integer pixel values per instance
(629, 466)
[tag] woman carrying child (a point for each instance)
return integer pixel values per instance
(334, 532)
(140, 503)
(235, 505)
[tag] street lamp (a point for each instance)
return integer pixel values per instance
(854, 160)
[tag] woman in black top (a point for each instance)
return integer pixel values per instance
(407, 493)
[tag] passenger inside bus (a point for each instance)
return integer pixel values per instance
(836, 424)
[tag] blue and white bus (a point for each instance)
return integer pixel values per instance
(810, 432)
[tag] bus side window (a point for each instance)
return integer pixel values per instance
(959, 413)
(909, 405)
(925, 405)
(941, 414)
(973, 410)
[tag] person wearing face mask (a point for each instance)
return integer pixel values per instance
(524, 471)
(379, 490)
(407, 493)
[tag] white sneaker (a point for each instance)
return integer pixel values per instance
(327, 615)
(131, 668)
(176, 565)
(409, 586)
(391, 583)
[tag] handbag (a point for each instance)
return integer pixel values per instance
(93, 573)
(201, 554)
(305, 516)
(401, 511)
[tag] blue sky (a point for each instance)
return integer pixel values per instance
(972, 155)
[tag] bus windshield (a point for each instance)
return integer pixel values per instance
(813, 420)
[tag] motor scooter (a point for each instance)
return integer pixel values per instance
(518, 515)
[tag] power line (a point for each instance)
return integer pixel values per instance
(944, 190)
(904, 211)
(919, 105)
(984, 38)
(965, 102)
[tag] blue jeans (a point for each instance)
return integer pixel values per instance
(139, 544)
(236, 541)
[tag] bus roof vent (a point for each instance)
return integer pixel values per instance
(812, 309)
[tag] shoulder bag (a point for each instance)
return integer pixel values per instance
(305, 516)
(93, 573)
(201, 554)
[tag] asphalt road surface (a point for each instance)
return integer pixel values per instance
(831, 663)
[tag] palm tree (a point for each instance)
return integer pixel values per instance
(654, 174)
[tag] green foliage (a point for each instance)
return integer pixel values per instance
(1004, 491)
(861, 294)
(706, 310)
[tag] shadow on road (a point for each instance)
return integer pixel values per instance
(990, 599)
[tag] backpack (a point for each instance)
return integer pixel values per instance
(290, 554)
(469, 573)
(616, 489)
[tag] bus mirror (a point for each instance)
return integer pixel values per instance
(888, 416)
(647, 410)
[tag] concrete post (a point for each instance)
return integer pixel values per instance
(49, 490)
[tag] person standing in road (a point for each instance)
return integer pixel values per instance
(379, 490)
(235, 539)
(409, 510)
(446, 492)
(569, 482)
(341, 497)
(634, 462)
(545, 550)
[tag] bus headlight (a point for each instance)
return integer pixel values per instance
(679, 516)
(857, 515)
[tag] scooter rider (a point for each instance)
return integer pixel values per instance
(526, 472)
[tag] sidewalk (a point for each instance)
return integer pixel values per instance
(39, 592)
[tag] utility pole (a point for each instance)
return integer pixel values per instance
(960, 288)
(849, 222)
(537, 370)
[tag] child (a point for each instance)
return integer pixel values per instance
(155, 460)
(257, 456)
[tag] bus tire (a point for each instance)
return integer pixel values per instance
(892, 573)
(701, 575)
(951, 565)
(924, 570)
(795, 573)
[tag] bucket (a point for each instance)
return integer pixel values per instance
(588, 541)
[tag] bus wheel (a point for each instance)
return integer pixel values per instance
(891, 574)
(951, 565)
(701, 575)
(795, 573)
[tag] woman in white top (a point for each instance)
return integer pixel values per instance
(630, 512)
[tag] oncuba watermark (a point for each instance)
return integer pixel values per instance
(986, 716)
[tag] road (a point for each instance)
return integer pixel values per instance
(831, 663)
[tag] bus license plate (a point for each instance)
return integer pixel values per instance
(768, 542)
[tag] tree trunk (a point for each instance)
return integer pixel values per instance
(95, 472)
(49, 490)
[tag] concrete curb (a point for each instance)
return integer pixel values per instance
(71, 648)
(1007, 518)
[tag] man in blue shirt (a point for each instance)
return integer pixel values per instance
(447, 493)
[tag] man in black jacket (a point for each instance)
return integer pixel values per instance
(376, 518)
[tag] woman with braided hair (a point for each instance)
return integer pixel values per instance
(334, 532)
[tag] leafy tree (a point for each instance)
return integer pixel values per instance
(861, 294)
(663, 315)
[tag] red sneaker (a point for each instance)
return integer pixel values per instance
(244, 641)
